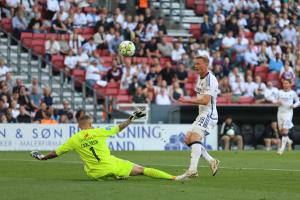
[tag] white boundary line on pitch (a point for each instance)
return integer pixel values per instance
(162, 165)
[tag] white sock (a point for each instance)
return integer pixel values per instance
(289, 140)
(284, 140)
(195, 155)
(206, 155)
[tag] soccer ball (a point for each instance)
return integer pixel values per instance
(230, 132)
(126, 48)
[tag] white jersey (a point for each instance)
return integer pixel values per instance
(208, 115)
(287, 99)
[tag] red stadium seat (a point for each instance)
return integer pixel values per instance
(246, 100)
(249, 35)
(113, 85)
(274, 78)
(169, 39)
(163, 61)
(189, 86)
(200, 9)
(79, 76)
(26, 39)
(111, 91)
(88, 31)
(6, 24)
(190, 3)
(122, 92)
(261, 71)
(58, 61)
(107, 60)
(38, 46)
(222, 100)
(40, 36)
(124, 99)
(88, 9)
(195, 29)
(50, 35)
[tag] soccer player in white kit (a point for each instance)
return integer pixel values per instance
(207, 90)
(287, 101)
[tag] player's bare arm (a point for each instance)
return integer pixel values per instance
(201, 100)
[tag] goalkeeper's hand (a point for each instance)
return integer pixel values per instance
(37, 155)
(137, 114)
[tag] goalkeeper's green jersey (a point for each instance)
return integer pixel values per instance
(91, 145)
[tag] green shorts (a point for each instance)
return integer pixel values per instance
(114, 167)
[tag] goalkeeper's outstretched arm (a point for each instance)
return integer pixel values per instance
(138, 113)
(37, 155)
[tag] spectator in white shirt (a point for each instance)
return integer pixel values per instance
(64, 15)
(289, 34)
(253, 6)
(218, 17)
(119, 16)
(110, 35)
(284, 21)
(93, 76)
(251, 57)
(275, 5)
(177, 53)
(51, 47)
(99, 38)
(82, 59)
(287, 72)
(129, 23)
(66, 5)
(152, 27)
(3, 70)
(261, 36)
(75, 42)
(52, 8)
(162, 98)
(250, 87)
(228, 41)
(89, 46)
(92, 17)
(80, 19)
(234, 74)
(271, 93)
(70, 61)
(238, 87)
(259, 85)
(113, 45)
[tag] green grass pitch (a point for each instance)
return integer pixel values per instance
(248, 175)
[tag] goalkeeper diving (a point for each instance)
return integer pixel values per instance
(90, 144)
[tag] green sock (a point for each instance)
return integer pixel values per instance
(155, 173)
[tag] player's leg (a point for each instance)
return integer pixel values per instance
(284, 125)
(239, 140)
(268, 143)
(138, 170)
(277, 142)
(226, 141)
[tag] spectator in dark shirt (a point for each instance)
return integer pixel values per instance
(115, 73)
(39, 115)
(139, 96)
(58, 25)
(271, 136)
(10, 118)
(182, 76)
(36, 24)
(168, 73)
(152, 75)
(48, 99)
(66, 108)
(23, 117)
(151, 48)
(3, 108)
(133, 85)
(17, 87)
(161, 26)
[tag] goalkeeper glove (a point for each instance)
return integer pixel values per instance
(37, 155)
(137, 114)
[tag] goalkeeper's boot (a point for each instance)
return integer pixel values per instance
(188, 174)
(214, 166)
(279, 152)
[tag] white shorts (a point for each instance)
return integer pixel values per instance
(284, 120)
(203, 125)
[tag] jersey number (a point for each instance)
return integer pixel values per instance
(94, 153)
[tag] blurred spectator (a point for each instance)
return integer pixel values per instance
(80, 113)
(17, 87)
(230, 133)
(182, 76)
(142, 74)
(234, 74)
(152, 49)
(152, 75)
(250, 87)
(228, 42)
(287, 73)
(271, 93)
(52, 8)
(3, 108)
(141, 6)
(89, 47)
(150, 91)
(36, 24)
(92, 18)
(238, 87)
(224, 87)
(24, 99)
(133, 85)
(276, 64)
(23, 117)
(259, 85)
(35, 97)
(240, 50)
(217, 69)
(19, 24)
(251, 58)
(3, 70)
(139, 96)
(114, 43)
(70, 62)
(51, 47)
(82, 59)
(9, 116)
(165, 48)
(64, 45)
(99, 38)
(162, 97)
(66, 108)
(58, 26)
(115, 73)
(48, 99)
(80, 18)
(94, 76)
(161, 26)
(271, 136)
(48, 117)
(175, 92)
(75, 42)
(177, 53)
(63, 119)
(261, 35)
(14, 106)
(39, 114)
(168, 73)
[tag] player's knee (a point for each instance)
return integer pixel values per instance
(225, 138)
(137, 170)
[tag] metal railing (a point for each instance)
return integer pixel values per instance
(171, 9)
(95, 95)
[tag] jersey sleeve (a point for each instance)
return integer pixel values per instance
(296, 100)
(108, 131)
(66, 147)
